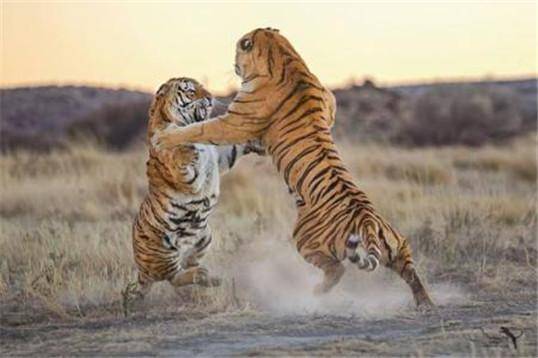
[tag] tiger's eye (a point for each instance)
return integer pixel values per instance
(245, 44)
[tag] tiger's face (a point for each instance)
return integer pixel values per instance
(255, 50)
(186, 100)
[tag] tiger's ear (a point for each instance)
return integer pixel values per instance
(271, 29)
(162, 90)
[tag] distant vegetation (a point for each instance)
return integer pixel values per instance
(421, 115)
(41, 118)
(437, 114)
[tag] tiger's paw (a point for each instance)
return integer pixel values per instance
(320, 289)
(166, 138)
(326, 286)
(332, 275)
(203, 279)
(368, 261)
(424, 304)
(255, 146)
(132, 292)
(131, 297)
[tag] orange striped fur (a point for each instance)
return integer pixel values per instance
(171, 232)
(282, 103)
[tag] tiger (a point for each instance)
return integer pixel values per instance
(171, 233)
(284, 105)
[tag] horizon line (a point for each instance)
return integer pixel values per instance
(352, 81)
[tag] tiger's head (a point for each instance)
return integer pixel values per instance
(262, 53)
(181, 101)
(265, 58)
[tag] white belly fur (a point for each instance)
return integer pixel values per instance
(186, 233)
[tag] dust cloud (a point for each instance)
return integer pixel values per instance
(273, 277)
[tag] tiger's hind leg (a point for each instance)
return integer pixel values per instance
(404, 266)
(135, 292)
(191, 272)
(333, 272)
(143, 285)
(195, 275)
(139, 289)
(332, 269)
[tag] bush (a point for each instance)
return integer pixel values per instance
(461, 114)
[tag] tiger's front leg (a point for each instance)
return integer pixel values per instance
(228, 155)
(197, 275)
(226, 129)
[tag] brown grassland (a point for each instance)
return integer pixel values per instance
(470, 214)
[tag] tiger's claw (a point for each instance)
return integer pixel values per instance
(203, 279)
(370, 263)
(358, 255)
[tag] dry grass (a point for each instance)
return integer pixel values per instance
(66, 217)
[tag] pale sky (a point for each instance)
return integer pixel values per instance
(142, 44)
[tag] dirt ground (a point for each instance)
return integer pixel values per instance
(474, 328)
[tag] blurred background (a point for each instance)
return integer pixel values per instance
(408, 73)
(436, 119)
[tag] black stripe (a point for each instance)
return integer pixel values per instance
(307, 170)
(237, 100)
(303, 100)
(270, 61)
(307, 113)
(196, 173)
(282, 151)
(233, 157)
(297, 158)
(299, 86)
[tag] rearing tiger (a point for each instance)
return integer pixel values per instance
(282, 103)
(171, 232)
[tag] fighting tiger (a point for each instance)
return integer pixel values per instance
(171, 233)
(282, 103)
